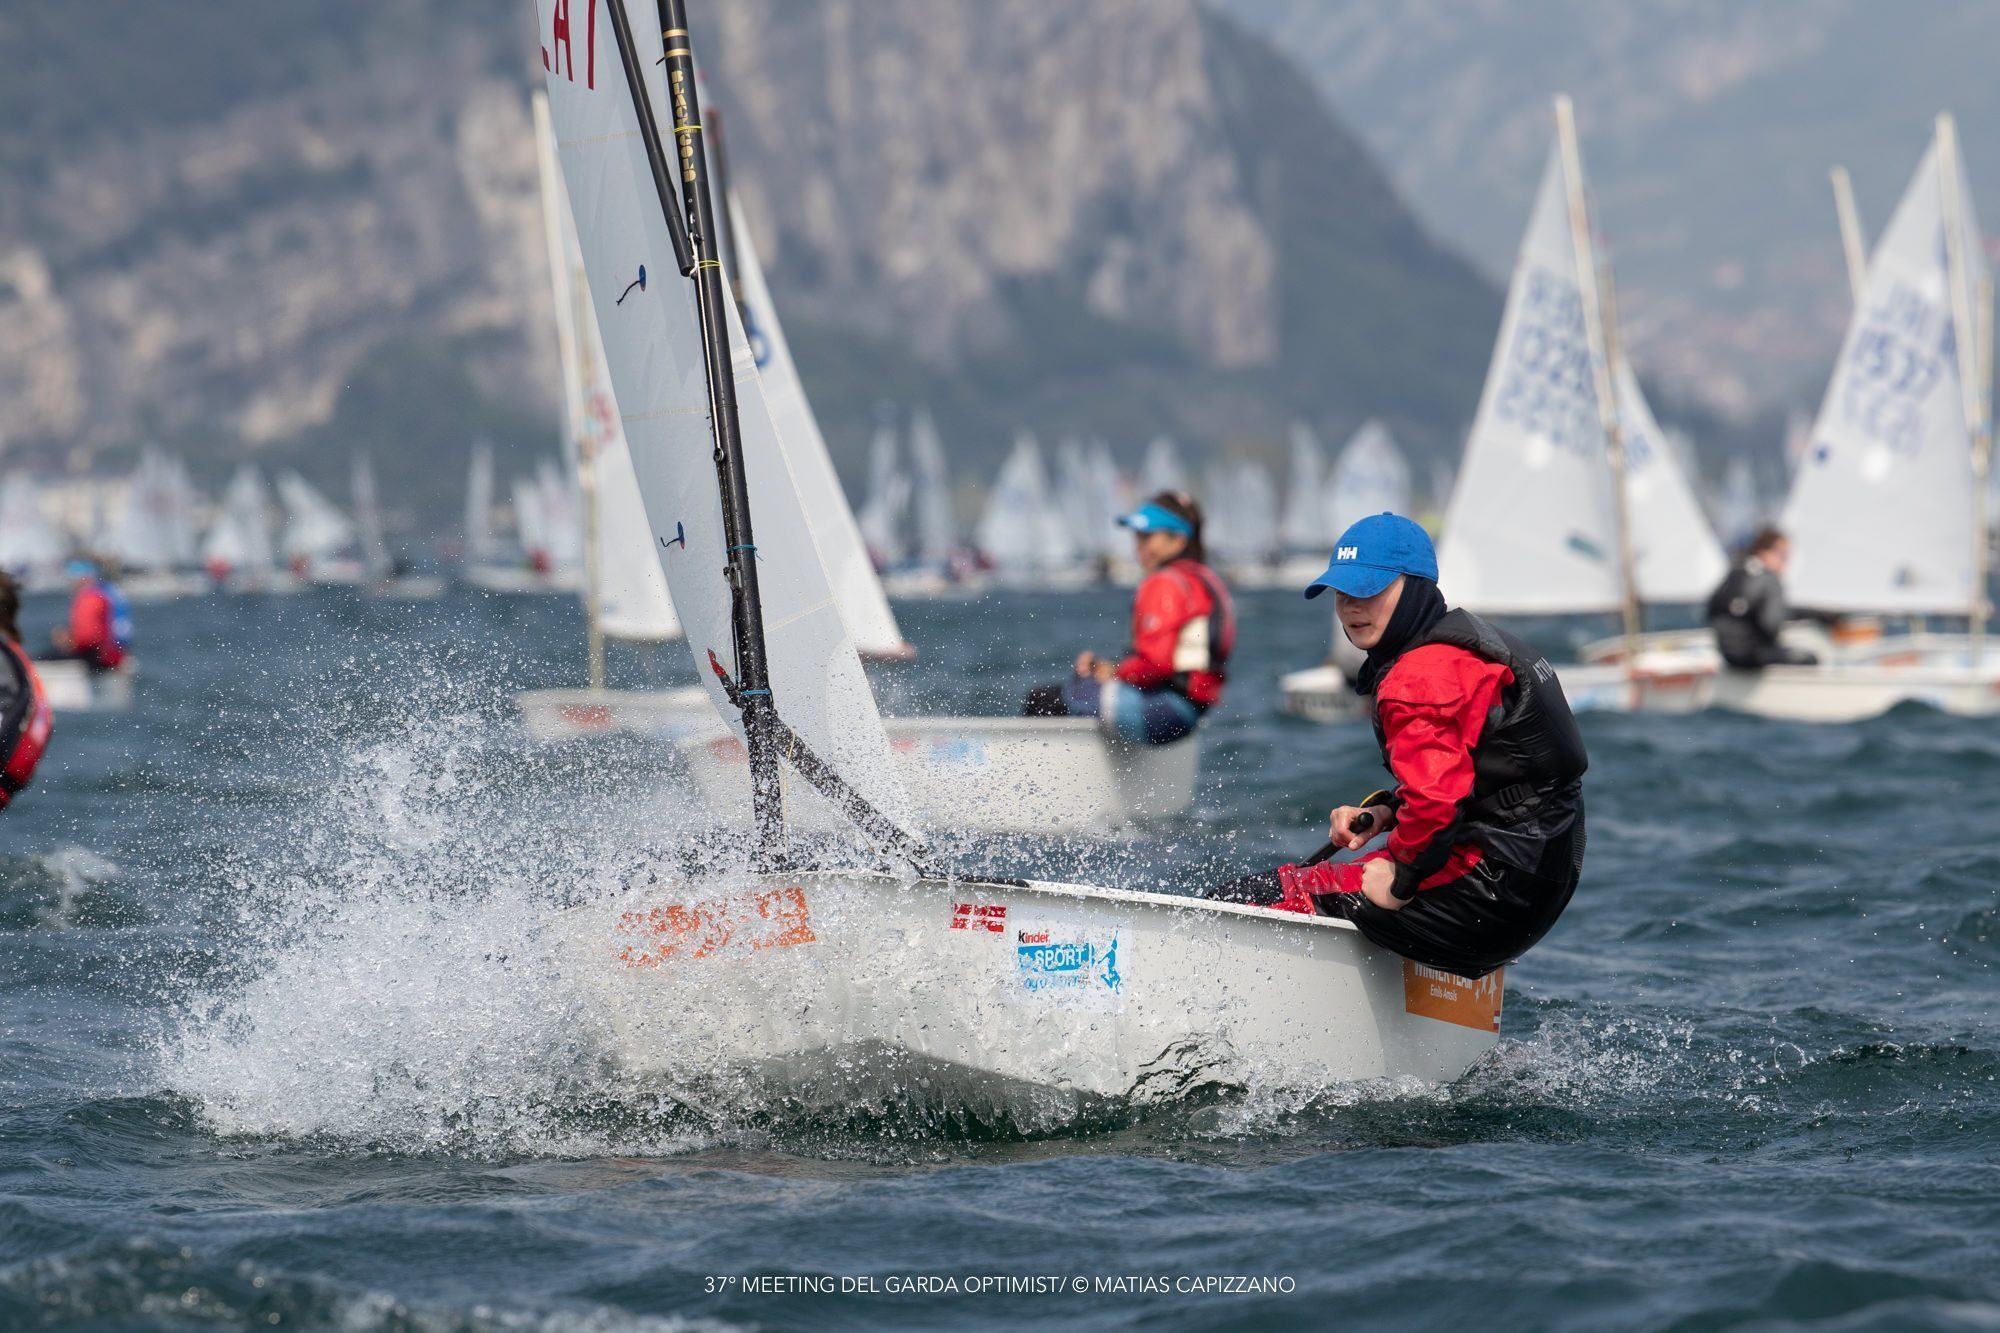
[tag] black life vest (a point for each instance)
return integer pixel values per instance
(1527, 769)
(25, 720)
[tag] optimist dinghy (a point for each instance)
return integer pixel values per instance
(73, 687)
(775, 968)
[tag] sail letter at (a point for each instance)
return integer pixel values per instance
(564, 62)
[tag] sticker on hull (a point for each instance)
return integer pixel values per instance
(1068, 964)
(980, 916)
(743, 923)
(1450, 998)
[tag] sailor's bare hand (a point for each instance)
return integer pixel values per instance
(1377, 877)
(1104, 671)
(1341, 829)
(1086, 662)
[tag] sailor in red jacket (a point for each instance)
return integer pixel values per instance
(25, 719)
(1485, 820)
(92, 633)
(1183, 631)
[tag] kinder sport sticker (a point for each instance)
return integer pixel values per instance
(741, 923)
(1069, 963)
(1450, 998)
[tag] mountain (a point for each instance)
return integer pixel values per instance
(280, 231)
(1708, 129)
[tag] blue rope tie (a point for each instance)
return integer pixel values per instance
(734, 549)
(765, 693)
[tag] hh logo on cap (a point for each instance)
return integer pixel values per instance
(1347, 553)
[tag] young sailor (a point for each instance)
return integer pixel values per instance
(1485, 818)
(25, 720)
(100, 623)
(1183, 630)
(1747, 610)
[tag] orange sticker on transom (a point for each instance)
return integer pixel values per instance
(746, 923)
(1450, 998)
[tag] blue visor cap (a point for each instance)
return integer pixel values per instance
(1155, 518)
(80, 569)
(1370, 555)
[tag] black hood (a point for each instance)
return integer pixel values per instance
(1419, 608)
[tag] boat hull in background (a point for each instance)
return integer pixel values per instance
(1084, 990)
(72, 687)
(994, 774)
(554, 716)
(1320, 694)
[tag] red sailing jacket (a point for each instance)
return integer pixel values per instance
(25, 720)
(1433, 704)
(1183, 630)
(90, 629)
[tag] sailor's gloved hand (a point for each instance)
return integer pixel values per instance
(1341, 828)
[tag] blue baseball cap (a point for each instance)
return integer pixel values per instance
(1155, 518)
(1370, 555)
(80, 569)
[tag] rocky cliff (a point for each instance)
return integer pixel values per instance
(294, 228)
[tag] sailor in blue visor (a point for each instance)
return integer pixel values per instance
(1485, 816)
(1183, 630)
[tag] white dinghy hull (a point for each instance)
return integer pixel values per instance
(995, 774)
(72, 687)
(553, 716)
(1320, 694)
(1094, 991)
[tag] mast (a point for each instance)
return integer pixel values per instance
(695, 222)
(1600, 332)
(586, 481)
(1974, 365)
(1851, 243)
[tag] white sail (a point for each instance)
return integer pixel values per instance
(562, 515)
(1371, 476)
(652, 344)
(937, 527)
(1021, 530)
(1880, 514)
(314, 528)
(631, 593)
(368, 518)
(240, 537)
(864, 606)
(29, 539)
(1304, 525)
(479, 543)
(881, 516)
(1675, 557)
(1109, 498)
(1160, 470)
(1737, 507)
(1242, 510)
(151, 532)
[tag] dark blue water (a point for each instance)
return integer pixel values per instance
(283, 1042)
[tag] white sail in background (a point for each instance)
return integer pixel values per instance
(1531, 526)
(531, 521)
(368, 518)
(937, 527)
(1160, 470)
(240, 537)
(1304, 525)
(1675, 557)
(1073, 498)
(562, 515)
(1737, 507)
(29, 539)
(314, 528)
(1242, 514)
(154, 531)
(881, 516)
(631, 593)
(1021, 530)
(1880, 513)
(1371, 476)
(1109, 498)
(864, 606)
(652, 343)
(479, 543)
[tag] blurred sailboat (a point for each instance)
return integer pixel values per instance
(1022, 533)
(152, 535)
(32, 547)
(1371, 476)
(319, 543)
(239, 552)
(1568, 501)
(387, 575)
